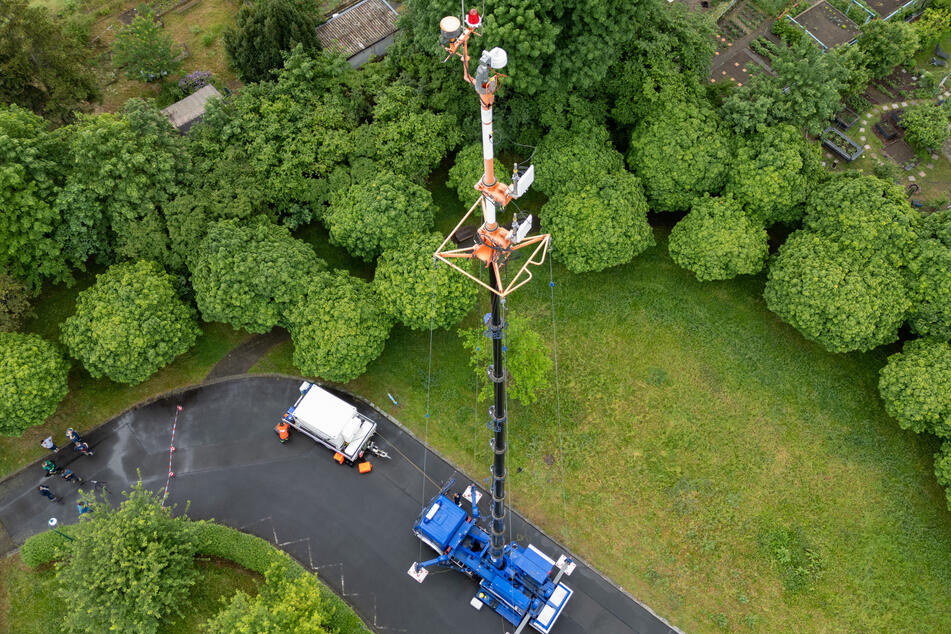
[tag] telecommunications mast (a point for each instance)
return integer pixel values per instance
(522, 584)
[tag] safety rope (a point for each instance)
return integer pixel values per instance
(561, 443)
(429, 385)
(507, 484)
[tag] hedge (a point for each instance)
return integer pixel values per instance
(215, 540)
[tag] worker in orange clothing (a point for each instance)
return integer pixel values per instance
(283, 432)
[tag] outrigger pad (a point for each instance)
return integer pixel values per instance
(570, 568)
(467, 494)
(417, 572)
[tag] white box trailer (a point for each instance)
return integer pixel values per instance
(331, 421)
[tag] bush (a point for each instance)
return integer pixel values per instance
(914, 387)
(128, 568)
(194, 81)
(47, 546)
(415, 294)
(337, 326)
(376, 214)
(32, 381)
(246, 276)
(926, 126)
(834, 296)
(930, 278)
(942, 469)
(467, 170)
(568, 158)
(144, 50)
(527, 360)
(718, 241)
(599, 226)
(129, 324)
(264, 31)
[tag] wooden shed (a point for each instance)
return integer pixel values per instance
(189, 111)
(360, 31)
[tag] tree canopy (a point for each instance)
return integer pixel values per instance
(32, 381)
(527, 359)
(914, 386)
(32, 169)
(679, 153)
(265, 31)
(568, 156)
(375, 214)
(247, 275)
(338, 327)
(467, 170)
(942, 469)
(886, 44)
(14, 303)
(144, 50)
(418, 292)
(865, 214)
(772, 174)
(926, 125)
(600, 225)
(718, 241)
(834, 296)
(129, 324)
(930, 278)
(127, 569)
(42, 67)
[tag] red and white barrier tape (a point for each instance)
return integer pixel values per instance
(171, 450)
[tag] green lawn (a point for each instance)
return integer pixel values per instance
(28, 604)
(718, 466)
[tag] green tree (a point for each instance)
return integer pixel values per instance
(834, 296)
(129, 324)
(599, 226)
(246, 276)
(125, 168)
(32, 168)
(338, 327)
(865, 214)
(926, 125)
(933, 24)
(582, 154)
(527, 361)
(32, 381)
(410, 140)
(143, 50)
(914, 386)
(772, 174)
(127, 569)
(282, 605)
(887, 44)
(14, 303)
(804, 91)
(680, 153)
(467, 170)
(930, 278)
(265, 31)
(416, 291)
(42, 68)
(717, 241)
(942, 469)
(375, 214)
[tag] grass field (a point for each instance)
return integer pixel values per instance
(28, 604)
(724, 470)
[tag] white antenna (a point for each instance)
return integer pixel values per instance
(521, 229)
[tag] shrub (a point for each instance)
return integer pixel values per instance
(129, 324)
(337, 326)
(47, 546)
(718, 241)
(194, 81)
(264, 31)
(14, 303)
(32, 381)
(144, 51)
(942, 469)
(914, 387)
(415, 294)
(599, 226)
(926, 125)
(566, 158)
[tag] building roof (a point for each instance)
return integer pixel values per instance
(357, 27)
(184, 113)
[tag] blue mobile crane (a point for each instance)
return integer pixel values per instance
(522, 584)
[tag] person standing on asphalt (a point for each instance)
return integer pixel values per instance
(83, 447)
(48, 493)
(69, 476)
(48, 443)
(72, 436)
(50, 468)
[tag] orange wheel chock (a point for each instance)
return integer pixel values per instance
(338, 457)
(365, 467)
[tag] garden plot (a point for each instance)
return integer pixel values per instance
(828, 24)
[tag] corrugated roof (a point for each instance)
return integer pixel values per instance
(185, 112)
(358, 27)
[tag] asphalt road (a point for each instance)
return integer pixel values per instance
(354, 530)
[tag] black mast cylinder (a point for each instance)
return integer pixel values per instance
(497, 373)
